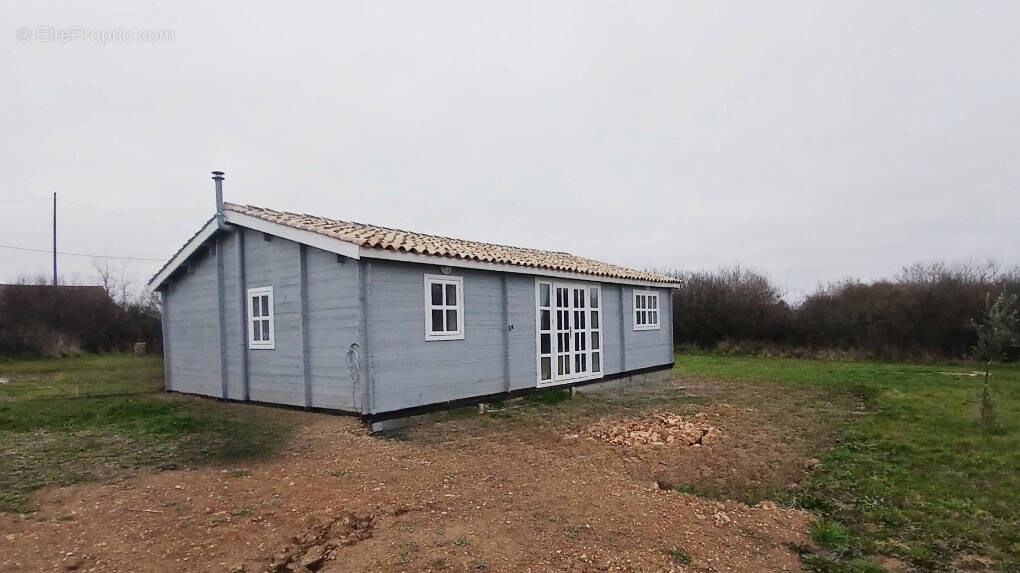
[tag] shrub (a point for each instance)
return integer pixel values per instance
(734, 303)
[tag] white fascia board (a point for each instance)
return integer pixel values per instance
(186, 251)
(368, 253)
(309, 238)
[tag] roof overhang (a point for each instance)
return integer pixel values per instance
(504, 268)
(182, 256)
(241, 220)
(309, 238)
(354, 251)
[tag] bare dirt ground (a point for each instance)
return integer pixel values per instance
(525, 489)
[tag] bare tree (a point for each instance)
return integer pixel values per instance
(114, 281)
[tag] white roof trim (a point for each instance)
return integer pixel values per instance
(189, 248)
(371, 253)
(310, 238)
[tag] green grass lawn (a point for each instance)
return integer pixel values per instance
(917, 479)
(65, 421)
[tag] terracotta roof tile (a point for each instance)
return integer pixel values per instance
(375, 237)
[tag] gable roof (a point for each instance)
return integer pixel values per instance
(384, 238)
(358, 240)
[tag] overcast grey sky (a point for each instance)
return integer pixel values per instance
(808, 140)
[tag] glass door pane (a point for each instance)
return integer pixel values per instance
(563, 342)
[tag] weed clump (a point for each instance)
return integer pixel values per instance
(548, 396)
(679, 555)
(831, 534)
(14, 502)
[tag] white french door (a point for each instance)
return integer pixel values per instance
(569, 332)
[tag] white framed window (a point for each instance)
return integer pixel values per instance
(261, 324)
(444, 307)
(646, 310)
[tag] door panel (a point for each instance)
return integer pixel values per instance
(573, 310)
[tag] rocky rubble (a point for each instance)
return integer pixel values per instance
(659, 428)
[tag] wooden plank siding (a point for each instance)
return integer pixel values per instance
(646, 348)
(409, 371)
(276, 375)
(236, 339)
(612, 335)
(193, 326)
(333, 325)
(379, 305)
(523, 350)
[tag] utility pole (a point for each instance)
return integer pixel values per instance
(54, 238)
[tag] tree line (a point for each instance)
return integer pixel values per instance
(928, 310)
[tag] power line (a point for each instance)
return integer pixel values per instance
(99, 209)
(48, 251)
(123, 215)
(22, 199)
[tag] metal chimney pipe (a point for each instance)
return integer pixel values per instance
(218, 178)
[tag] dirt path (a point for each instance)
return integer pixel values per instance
(340, 500)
